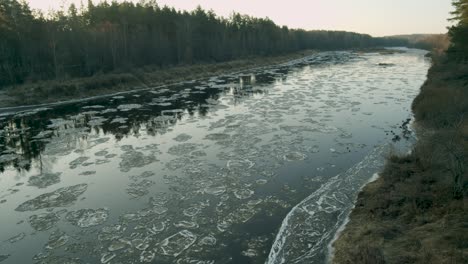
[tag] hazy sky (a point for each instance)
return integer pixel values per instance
(375, 17)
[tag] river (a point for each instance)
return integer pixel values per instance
(250, 167)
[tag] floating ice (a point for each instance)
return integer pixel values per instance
(107, 257)
(235, 165)
(78, 161)
(135, 159)
(128, 107)
(87, 217)
(119, 244)
(93, 107)
(17, 238)
(57, 239)
(243, 194)
(59, 198)
(44, 180)
(182, 137)
(59, 122)
(88, 173)
(209, 240)
(43, 134)
(44, 221)
(294, 156)
(192, 211)
(139, 189)
(182, 149)
(177, 243)
(119, 120)
(217, 136)
(186, 224)
(261, 181)
(147, 256)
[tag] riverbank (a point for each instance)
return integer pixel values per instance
(44, 92)
(417, 211)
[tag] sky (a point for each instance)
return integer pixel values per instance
(375, 17)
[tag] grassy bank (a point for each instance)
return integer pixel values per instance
(417, 211)
(62, 90)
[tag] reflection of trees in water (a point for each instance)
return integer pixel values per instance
(21, 132)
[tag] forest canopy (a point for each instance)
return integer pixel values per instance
(105, 37)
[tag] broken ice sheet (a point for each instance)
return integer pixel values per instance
(44, 180)
(44, 221)
(87, 217)
(177, 243)
(59, 198)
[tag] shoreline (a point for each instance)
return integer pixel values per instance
(32, 95)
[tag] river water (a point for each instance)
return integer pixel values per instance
(251, 167)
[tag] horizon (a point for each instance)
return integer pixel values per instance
(388, 19)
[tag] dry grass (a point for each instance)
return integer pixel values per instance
(417, 211)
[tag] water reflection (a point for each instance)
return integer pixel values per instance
(24, 136)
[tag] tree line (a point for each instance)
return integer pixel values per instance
(459, 31)
(118, 36)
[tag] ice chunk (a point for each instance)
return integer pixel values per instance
(236, 165)
(243, 194)
(177, 243)
(182, 149)
(294, 156)
(182, 137)
(57, 239)
(215, 190)
(135, 159)
(147, 256)
(87, 173)
(59, 198)
(44, 221)
(192, 211)
(107, 257)
(119, 244)
(208, 240)
(217, 136)
(186, 224)
(44, 180)
(87, 217)
(128, 107)
(79, 161)
(17, 238)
